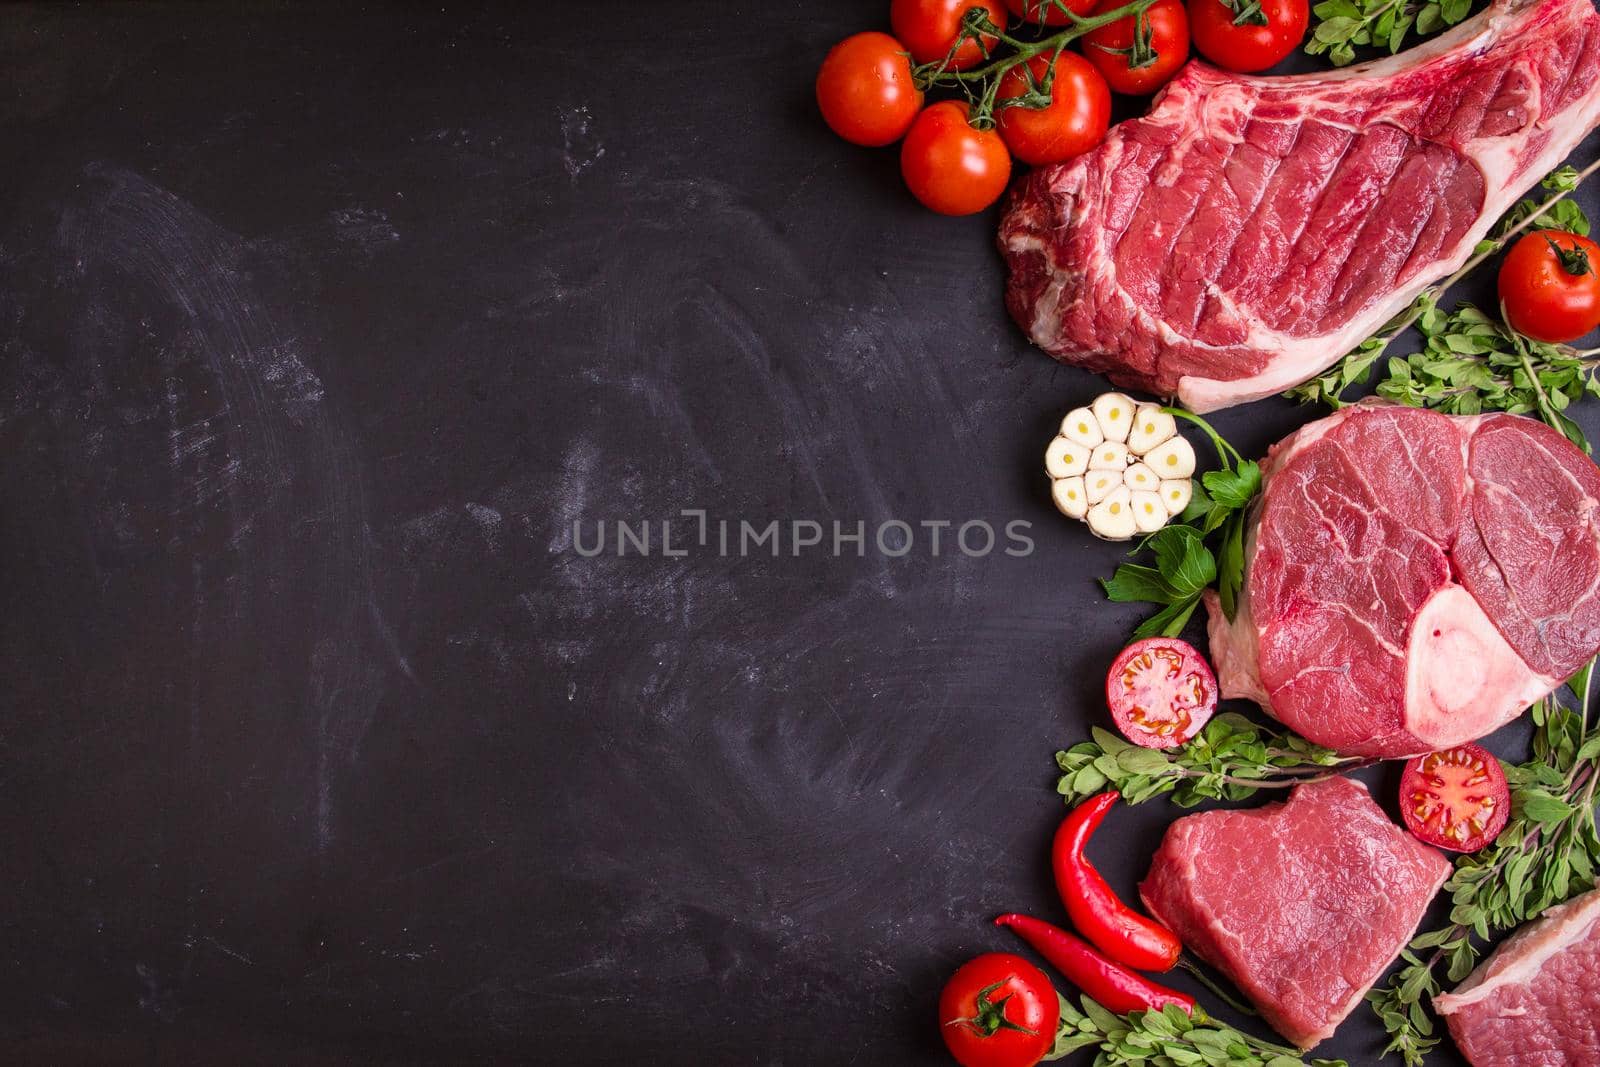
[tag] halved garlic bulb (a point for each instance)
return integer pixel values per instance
(1120, 466)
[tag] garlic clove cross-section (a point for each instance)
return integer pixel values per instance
(1120, 466)
(1114, 413)
(1065, 459)
(1081, 426)
(1071, 497)
(1112, 518)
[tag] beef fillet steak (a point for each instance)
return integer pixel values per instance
(1249, 231)
(1302, 904)
(1536, 1001)
(1413, 580)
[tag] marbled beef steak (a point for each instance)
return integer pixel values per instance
(1414, 580)
(1249, 231)
(1302, 904)
(1536, 1001)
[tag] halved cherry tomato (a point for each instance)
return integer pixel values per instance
(1550, 285)
(1049, 12)
(950, 166)
(930, 27)
(1268, 32)
(998, 1010)
(1457, 799)
(1075, 120)
(1109, 48)
(1161, 692)
(865, 90)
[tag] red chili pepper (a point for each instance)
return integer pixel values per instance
(1097, 912)
(1112, 985)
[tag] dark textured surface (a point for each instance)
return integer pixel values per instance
(319, 742)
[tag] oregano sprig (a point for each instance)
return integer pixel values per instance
(1340, 26)
(1469, 361)
(1547, 854)
(1166, 1037)
(1230, 759)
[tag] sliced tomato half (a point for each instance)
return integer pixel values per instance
(1456, 799)
(1161, 692)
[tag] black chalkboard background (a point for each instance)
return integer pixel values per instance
(320, 742)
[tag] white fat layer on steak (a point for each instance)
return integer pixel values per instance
(1463, 680)
(1519, 961)
(1507, 172)
(1205, 110)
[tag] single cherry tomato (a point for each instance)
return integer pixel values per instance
(998, 1010)
(1139, 70)
(1049, 12)
(1457, 799)
(1247, 35)
(930, 27)
(1075, 121)
(1161, 692)
(865, 90)
(1549, 286)
(950, 166)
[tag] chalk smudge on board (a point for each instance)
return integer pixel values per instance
(266, 442)
(580, 147)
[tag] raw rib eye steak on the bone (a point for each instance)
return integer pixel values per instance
(1249, 231)
(1413, 580)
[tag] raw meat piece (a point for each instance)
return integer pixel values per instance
(1249, 231)
(1536, 1001)
(1303, 904)
(1414, 580)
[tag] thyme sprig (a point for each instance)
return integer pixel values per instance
(1547, 854)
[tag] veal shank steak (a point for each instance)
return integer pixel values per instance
(1249, 231)
(1302, 904)
(1413, 580)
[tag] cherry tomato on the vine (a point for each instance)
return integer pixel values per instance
(949, 165)
(998, 1010)
(1075, 120)
(1049, 12)
(929, 27)
(1268, 32)
(1550, 286)
(1111, 48)
(865, 90)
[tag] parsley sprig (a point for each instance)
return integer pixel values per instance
(1342, 25)
(1204, 547)
(1470, 361)
(1161, 1038)
(1231, 758)
(1547, 854)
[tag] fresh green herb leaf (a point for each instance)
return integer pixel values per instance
(1547, 854)
(1469, 361)
(1166, 1039)
(1343, 25)
(1191, 555)
(1231, 758)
